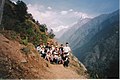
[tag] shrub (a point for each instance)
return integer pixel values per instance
(25, 41)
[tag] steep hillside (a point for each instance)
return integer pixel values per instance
(24, 62)
(67, 34)
(19, 61)
(100, 52)
(17, 19)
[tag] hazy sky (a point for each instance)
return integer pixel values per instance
(60, 14)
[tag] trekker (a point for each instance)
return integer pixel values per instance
(52, 53)
(48, 56)
(43, 54)
(55, 54)
(61, 50)
(60, 59)
(38, 48)
(52, 47)
(67, 49)
(66, 55)
(65, 60)
(47, 48)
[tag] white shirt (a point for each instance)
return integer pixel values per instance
(66, 49)
(53, 48)
(38, 48)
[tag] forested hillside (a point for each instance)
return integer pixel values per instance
(22, 24)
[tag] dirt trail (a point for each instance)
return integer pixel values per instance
(61, 72)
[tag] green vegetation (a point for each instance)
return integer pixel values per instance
(25, 41)
(25, 50)
(16, 18)
(51, 34)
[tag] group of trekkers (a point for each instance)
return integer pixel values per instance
(55, 54)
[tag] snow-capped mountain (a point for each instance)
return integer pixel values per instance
(66, 35)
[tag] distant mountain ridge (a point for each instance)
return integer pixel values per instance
(60, 33)
(66, 36)
(91, 27)
(96, 45)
